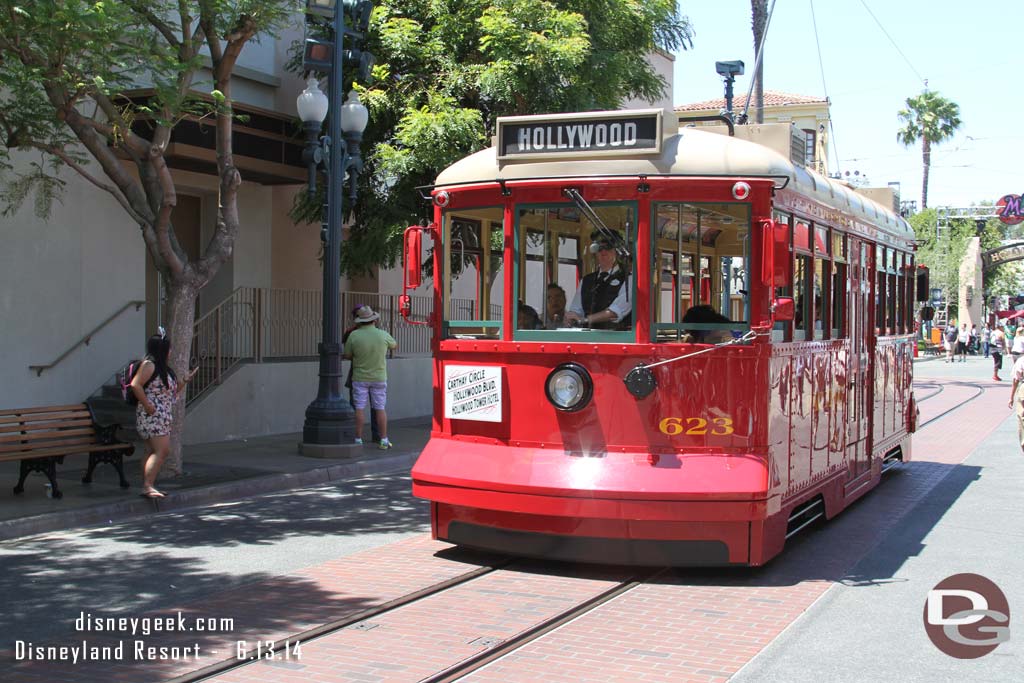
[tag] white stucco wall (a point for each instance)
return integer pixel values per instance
(58, 280)
(271, 398)
(663, 64)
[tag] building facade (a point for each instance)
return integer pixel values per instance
(808, 116)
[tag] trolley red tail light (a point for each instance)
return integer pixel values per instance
(638, 359)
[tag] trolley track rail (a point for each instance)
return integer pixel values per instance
(232, 664)
(461, 668)
(507, 647)
(980, 391)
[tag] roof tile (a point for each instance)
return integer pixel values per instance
(772, 98)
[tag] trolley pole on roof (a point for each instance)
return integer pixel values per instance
(729, 71)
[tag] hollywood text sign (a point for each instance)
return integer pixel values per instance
(587, 134)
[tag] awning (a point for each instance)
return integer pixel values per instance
(1009, 315)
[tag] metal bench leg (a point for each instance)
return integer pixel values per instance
(115, 458)
(24, 472)
(47, 466)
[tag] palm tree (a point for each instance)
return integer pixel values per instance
(933, 119)
(758, 21)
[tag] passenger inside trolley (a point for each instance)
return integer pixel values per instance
(704, 314)
(554, 307)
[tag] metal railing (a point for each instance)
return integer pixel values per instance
(257, 325)
(87, 337)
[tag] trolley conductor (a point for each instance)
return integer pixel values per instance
(602, 299)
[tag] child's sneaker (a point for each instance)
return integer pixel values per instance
(358, 441)
(385, 444)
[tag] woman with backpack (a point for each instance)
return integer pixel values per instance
(156, 388)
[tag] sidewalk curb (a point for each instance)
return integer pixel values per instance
(205, 495)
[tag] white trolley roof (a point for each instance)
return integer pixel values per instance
(686, 152)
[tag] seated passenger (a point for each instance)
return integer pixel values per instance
(602, 300)
(527, 318)
(554, 316)
(705, 314)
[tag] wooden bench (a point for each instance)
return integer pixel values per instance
(933, 350)
(41, 437)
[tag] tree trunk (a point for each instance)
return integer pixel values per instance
(180, 317)
(926, 154)
(759, 17)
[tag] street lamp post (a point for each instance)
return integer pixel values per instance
(329, 414)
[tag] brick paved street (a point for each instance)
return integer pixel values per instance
(685, 625)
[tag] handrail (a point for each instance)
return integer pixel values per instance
(87, 338)
(213, 311)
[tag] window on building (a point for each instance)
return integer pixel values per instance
(810, 143)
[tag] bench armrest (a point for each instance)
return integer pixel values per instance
(107, 434)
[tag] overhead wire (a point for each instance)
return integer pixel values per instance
(821, 66)
(916, 73)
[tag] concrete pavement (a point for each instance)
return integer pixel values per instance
(214, 472)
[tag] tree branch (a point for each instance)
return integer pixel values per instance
(156, 22)
(78, 168)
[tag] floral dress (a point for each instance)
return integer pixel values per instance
(162, 397)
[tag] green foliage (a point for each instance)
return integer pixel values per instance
(943, 253)
(446, 69)
(929, 116)
(90, 58)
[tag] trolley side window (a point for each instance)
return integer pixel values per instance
(783, 331)
(474, 282)
(840, 290)
(568, 271)
(700, 285)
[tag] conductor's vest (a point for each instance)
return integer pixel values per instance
(598, 293)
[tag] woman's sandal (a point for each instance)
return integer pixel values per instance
(152, 493)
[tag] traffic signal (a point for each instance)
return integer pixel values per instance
(319, 52)
(922, 283)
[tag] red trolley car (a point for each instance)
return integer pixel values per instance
(744, 367)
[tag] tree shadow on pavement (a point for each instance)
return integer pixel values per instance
(50, 584)
(378, 504)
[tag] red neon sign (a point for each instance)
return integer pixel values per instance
(1010, 209)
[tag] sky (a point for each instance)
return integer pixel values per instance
(968, 52)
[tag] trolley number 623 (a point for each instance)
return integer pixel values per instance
(696, 426)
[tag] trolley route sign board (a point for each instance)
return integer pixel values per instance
(588, 134)
(472, 392)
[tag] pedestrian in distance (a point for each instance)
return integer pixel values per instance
(949, 336)
(374, 431)
(972, 345)
(1017, 398)
(157, 388)
(962, 339)
(997, 346)
(367, 347)
(986, 339)
(1017, 345)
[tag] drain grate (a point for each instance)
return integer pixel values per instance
(364, 626)
(487, 642)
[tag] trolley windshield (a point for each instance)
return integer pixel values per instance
(574, 272)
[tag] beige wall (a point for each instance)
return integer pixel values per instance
(58, 280)
(271, 398)
(295, 248)
(801, 116)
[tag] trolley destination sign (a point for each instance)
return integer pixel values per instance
(584, 134)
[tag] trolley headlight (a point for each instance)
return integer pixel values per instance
(569, 387)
